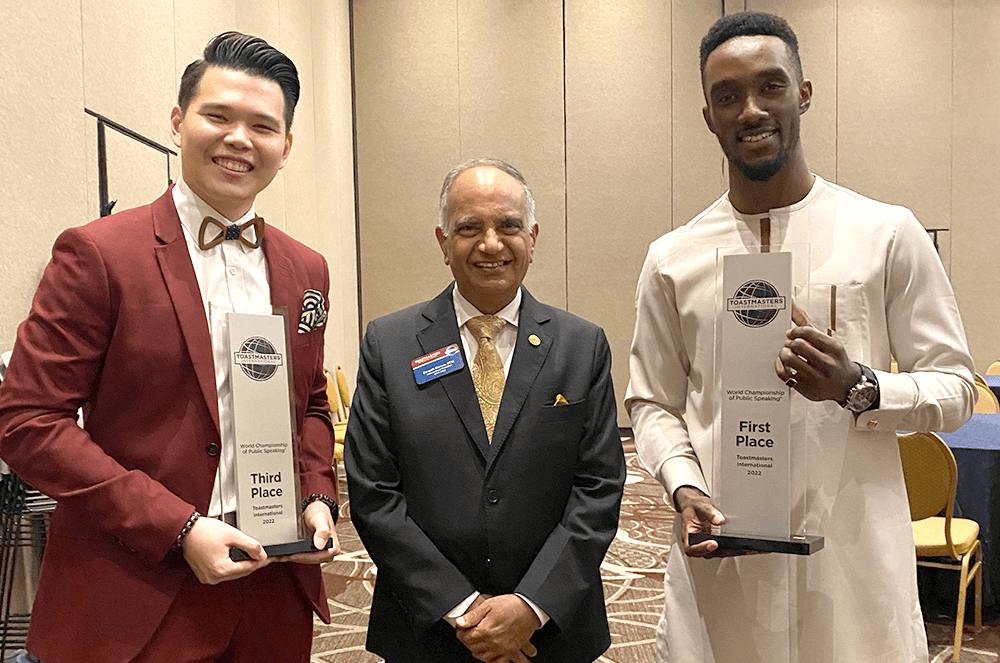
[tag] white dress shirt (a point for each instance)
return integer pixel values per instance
(505, 340)
(231, 277)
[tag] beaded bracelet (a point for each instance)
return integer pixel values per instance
(329, 501)
(184, 532)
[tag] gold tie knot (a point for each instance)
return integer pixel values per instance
(485, 326)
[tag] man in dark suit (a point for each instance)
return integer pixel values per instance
(483, 458)
(121, 326)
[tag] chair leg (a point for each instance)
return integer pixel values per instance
(963, 585)
(979, 591)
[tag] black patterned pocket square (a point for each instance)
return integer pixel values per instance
(313, 311)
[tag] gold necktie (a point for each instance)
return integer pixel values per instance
(487, 369)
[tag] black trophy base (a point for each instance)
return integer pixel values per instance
(793, 545)
(278, 549)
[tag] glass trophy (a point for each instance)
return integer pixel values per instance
(758, 469)
(265, 454)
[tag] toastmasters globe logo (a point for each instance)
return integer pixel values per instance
(258, 358)
(755, 303)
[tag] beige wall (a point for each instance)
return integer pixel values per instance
(600, 105)
(124, 59)
(428, 95)
(594, 135)
(975, 172)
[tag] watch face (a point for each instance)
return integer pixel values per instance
(862, 396)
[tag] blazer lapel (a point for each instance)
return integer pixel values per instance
(182, 284)
(441, 330)
(281, 283)
(524, 368)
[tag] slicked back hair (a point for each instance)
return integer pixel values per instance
(529, 200)
(748, 24)
(250, 55)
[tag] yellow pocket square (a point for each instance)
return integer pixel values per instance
(560, 400)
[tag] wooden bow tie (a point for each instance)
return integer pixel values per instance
(231, 231)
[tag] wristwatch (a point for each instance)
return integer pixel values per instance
(864, 395)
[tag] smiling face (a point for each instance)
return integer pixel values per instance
(488, 245)
(753, 102)
(232, 139)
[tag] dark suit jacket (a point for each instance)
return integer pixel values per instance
(443, 512)
(118, 325)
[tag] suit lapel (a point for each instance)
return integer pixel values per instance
(441, 330)
(182, 284)
(524, 368)
(281, 282)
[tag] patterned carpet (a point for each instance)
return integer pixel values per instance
(633, 586)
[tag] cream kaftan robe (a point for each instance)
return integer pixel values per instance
(856, 600)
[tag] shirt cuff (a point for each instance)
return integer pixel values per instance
(542, 617)
(681, 471)
(452, 616)
(897, 398)
(460, 609)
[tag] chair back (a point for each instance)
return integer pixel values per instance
(993, 369)
(986, 400)
(338, 393)
(332, 396)
(345, 394)
(931, 477)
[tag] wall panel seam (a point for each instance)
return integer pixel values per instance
(83, 91)
(458, 76)
(951, 162)
(565, 166)
(354, 160)
(177, 82)
(836, 92)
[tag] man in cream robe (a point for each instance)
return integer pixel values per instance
(878, 288)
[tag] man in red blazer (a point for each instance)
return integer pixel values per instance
(137, 565)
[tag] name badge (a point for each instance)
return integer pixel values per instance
(440, 362)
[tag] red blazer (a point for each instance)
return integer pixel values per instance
(118, 326)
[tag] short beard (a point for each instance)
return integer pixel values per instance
(764, 172)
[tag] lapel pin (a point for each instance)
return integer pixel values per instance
(534, 340)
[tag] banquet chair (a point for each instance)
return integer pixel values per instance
(340, 404)
(340, 428)
(993, 369)
(345, 394)
(333, 395)
(986, 401)
(931, 477)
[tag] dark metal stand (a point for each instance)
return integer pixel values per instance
(24, 516)
(102, 156)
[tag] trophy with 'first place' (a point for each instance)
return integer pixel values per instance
(758, 470)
